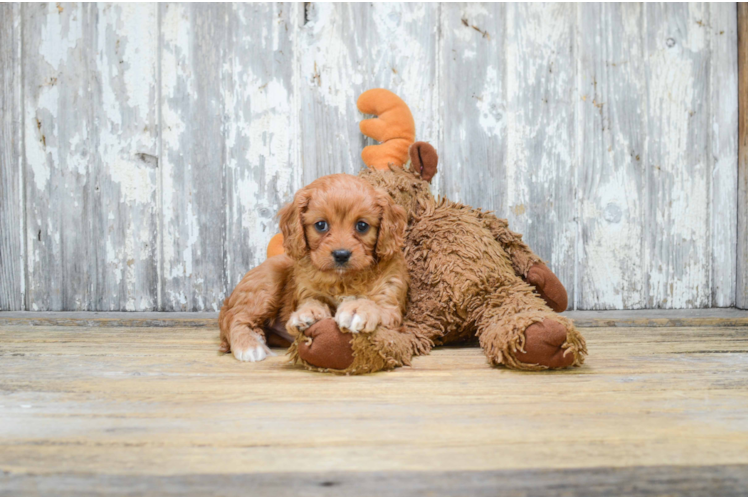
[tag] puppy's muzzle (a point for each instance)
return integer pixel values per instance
(341, 256)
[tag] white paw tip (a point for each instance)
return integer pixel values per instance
(357, 323)
(253, 354)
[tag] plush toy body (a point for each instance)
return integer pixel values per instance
(470, 275)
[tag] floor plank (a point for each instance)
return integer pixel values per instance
(126, 410)
(725, 316)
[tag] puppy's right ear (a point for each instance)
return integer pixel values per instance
(292, 227)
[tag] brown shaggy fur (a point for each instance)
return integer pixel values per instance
(366, 292)
(465, 267)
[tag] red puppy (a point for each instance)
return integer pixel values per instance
(343, 259)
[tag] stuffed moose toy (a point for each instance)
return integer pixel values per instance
(469, 274)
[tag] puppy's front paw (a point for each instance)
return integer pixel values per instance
(307, 315)
(358, 316)
(249, 346)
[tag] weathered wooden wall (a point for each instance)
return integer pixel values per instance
(146, 148)
(742, 281)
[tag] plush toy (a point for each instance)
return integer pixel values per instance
(470, 275)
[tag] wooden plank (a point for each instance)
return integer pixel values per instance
(652, 318)
(193, 152)
(540, 158)
(742, 257)
(123, 178)
(677, 253)
(721, 31)
(162, 404)
(610, 106)
(723, 480)
(12, 269)
(473, 93)
(585, 319)
(59, 145)
(345, 49)
(261, 125)
(91, 151)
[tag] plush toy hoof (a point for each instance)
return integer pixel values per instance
(327, 346)
(543, 343)
(549, 287)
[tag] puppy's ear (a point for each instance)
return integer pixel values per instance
(391, 227)
(294, 239)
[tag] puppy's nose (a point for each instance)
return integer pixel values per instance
(341, 256)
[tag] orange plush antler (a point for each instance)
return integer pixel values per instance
(394, 128)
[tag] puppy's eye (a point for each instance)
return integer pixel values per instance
(321, 226)
(362, 226)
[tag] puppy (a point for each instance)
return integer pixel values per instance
(343, 259)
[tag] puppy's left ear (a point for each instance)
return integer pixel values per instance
(294, 240)
(391, 227)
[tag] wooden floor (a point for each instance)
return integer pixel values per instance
(111, 409)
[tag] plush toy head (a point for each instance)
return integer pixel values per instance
(409, 187)
(395, 130)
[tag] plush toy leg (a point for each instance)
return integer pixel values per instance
(324, 347)
(521, 332)
(549, 287)
(526, 264)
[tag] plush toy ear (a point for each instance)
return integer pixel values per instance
(391, 227)
(423, 159)
(294, 239)
(394, 128)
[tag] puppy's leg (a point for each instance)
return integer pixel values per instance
(365, 315)
(256, 300)
(308, 313)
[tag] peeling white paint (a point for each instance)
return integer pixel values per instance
(59, 35)
(491, 118)
(620, 175)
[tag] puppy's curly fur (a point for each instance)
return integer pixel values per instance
(343, 259)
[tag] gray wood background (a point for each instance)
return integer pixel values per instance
(145, 149)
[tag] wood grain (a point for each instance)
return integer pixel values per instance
(586, 319)
(59, 149)
(677, 253)
(723, 124)
(123, 178)
(84, 404)
(541, 133)
(473, 90)
(91, 131)
(193, 189)
(260, 127)
(724, 480)
(611, 103)
(12, 268)
(742, 246)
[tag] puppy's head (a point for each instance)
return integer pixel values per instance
(343, 224)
